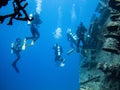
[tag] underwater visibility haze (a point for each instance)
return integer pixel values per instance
(38, 70)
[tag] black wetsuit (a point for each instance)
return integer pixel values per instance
(35, 33)
(58, 53)
(80, 34)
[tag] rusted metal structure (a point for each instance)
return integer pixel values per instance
(106, 47)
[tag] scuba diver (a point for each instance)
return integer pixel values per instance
(72, 38)
(80, 32)
(16, 48)
(58, 55)
(34, 30)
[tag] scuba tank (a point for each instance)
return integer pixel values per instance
(12, 45)
(73, 36)
(58, 50)
(16, 46)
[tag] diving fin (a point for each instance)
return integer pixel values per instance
(24, 44)
(70, 51)
(32, 43)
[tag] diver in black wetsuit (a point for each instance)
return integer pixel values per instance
(35, 33)
(16, 49)
(34, 30)
(81, 30)
(58, 55)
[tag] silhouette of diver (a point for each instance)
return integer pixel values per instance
(58, 55)
(16, 48)
(80, 32)
(34, 30)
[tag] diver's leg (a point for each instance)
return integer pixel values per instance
(78, 45)
(27, 38)
(33, 32)
(25, 41)
(83, 42)
(15, 62)
(78, 42)
(36, 36)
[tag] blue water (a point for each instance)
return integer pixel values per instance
(38, 70)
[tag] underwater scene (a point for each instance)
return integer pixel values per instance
(59, 44)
